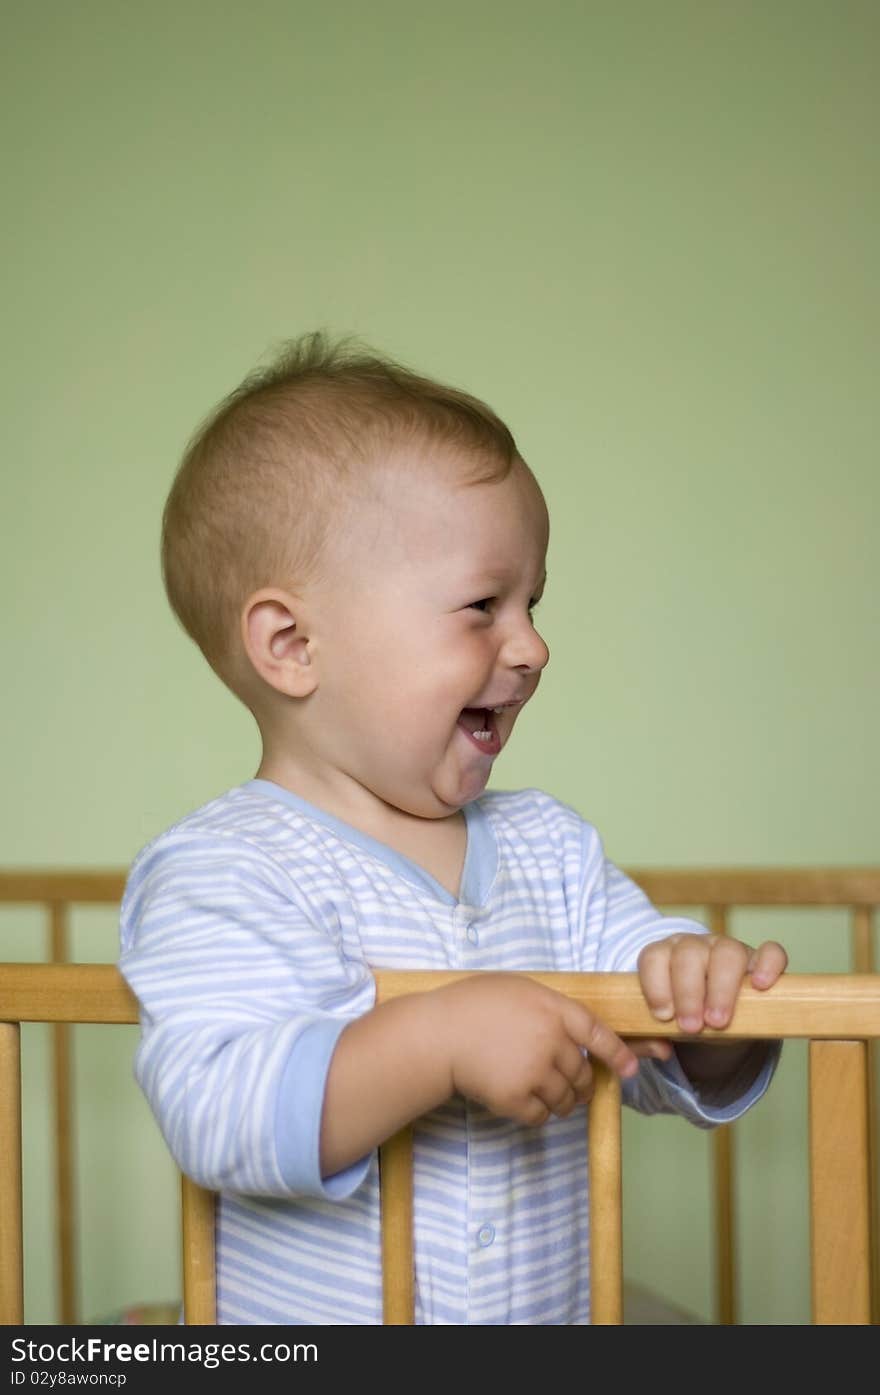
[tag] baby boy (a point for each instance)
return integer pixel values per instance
(358, 551)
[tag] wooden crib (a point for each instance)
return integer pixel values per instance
(839, 1014)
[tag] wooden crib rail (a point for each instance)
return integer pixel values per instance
(839, 1013)
(809, 1006)
(720, 891)
(819, 1007)
(717, 891)
(56, 892)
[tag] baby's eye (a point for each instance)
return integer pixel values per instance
(489, 599)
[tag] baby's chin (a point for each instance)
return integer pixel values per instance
(455, 789)
(437, 790)
(441, 798)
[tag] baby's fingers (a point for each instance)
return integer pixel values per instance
(766, 963)
(656, 979)
(558, 1094)
(592, 1034)
(728, 961)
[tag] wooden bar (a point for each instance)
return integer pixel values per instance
(839, 1190)
(722, 1143)
(718, 919)
(862, 940)
(873, 1179)
(688, 886)
(65, 993)
(199, 1282)
(863, 961)
(799, 1005)
(41, 886)
(396, 1188)
(721, 1153)
(11, 1248)
(606, 1200)
(62, 1095)
(759, 886)
(823, 1006)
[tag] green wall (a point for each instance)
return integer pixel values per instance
(646, 234)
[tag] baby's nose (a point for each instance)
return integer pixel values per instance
(530, 652)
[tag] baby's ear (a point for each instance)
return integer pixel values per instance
(275, 643)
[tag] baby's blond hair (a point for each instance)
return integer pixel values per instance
(283, 457)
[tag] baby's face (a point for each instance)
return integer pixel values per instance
(427, 614)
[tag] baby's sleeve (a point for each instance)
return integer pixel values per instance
(615, 918)
(243, 995)
(617, 921)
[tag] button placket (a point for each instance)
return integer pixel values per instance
(466, 931)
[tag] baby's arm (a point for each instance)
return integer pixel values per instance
(263, 1056)
(707, 1081)
(505, 1041)
(243, 993)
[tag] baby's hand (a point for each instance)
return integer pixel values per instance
(696, 978)
(518, 1047)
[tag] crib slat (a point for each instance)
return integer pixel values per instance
(863, 962)
(721, 1152)
(839, 1191)
(722, 1144)
(862, 940)
(11, 1265)
(62, 1090)
(199, 1284)
(395, 1181)
(606, 1223)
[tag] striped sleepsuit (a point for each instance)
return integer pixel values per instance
(248, 933)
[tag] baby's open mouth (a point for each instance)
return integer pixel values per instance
(479, 725)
